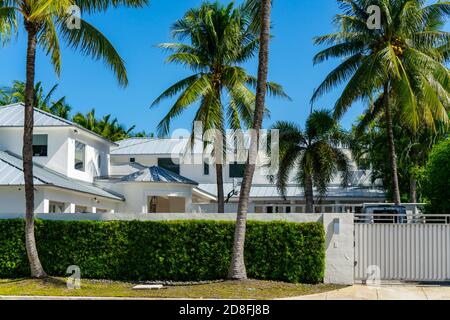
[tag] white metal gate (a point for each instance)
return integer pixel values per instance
(415, 250)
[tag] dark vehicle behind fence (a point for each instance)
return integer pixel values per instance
(383, 213)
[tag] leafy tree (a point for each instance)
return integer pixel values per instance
(369, 148)
(400, 65)
(436, 179)
(219, 42)
(45, 21)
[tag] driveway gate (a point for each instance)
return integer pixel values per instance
(413, 249)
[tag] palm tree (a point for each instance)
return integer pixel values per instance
(314, 154)
(45, 21)
(400, 65)
(41, 100)
(220, 41)
(260, 14)
(106, 127)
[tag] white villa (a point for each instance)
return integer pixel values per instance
(78, 171)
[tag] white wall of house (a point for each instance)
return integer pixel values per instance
(94, 149)
(11, 140)
(74, 200)
(137, 194)
(12, 199)
(61, 150)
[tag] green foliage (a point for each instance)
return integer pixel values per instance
(106, 126)
(370, 149)
(436, 179)
(179, 250)
(409, 52)
(215, 41)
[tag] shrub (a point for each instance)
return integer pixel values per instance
(436, 179)
(178, 250)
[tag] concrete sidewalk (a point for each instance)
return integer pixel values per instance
(383, 292)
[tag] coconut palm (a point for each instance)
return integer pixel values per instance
(259, 11)
(313, 154)
(45, 22)
(400, 66)
(41, 99)
(219, 41)
(106, 127)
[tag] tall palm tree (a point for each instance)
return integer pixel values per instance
(45, 21)
(260, 13)
(219, 42)
(315, 155)
(401, 65)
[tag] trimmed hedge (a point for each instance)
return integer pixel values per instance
(178, 250)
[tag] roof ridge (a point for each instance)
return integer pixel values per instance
(58, 118)
(60, 175)
(141, 143)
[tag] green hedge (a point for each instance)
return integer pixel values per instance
(178, 250)
(436, 180)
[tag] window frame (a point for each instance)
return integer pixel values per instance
(231, 171)
(83, 169)
(36, 154)
(174, 165)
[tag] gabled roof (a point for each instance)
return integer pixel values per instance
(150, 146)
(11, 174)
(12, 116)
(157, 174)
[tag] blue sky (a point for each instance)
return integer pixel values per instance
(89, 84)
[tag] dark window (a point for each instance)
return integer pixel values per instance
(206, 168)
(168, 164)
(237, 170)
(132, 160)
(269, 209)
(80, 155)
(40, 145)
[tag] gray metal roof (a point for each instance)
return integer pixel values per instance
(157, 174)
(149, 146)
(295, 191)
(12, 116)
(11, 174)
(124, 169)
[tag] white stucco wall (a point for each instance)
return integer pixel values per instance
(61, 150)
(11, 140)
(12, 199)
(136, 194)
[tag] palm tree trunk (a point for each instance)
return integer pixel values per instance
(413, 190)
(391, 144)
(237, 268)
(309, 194)
(220, 193)
(35, 265)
